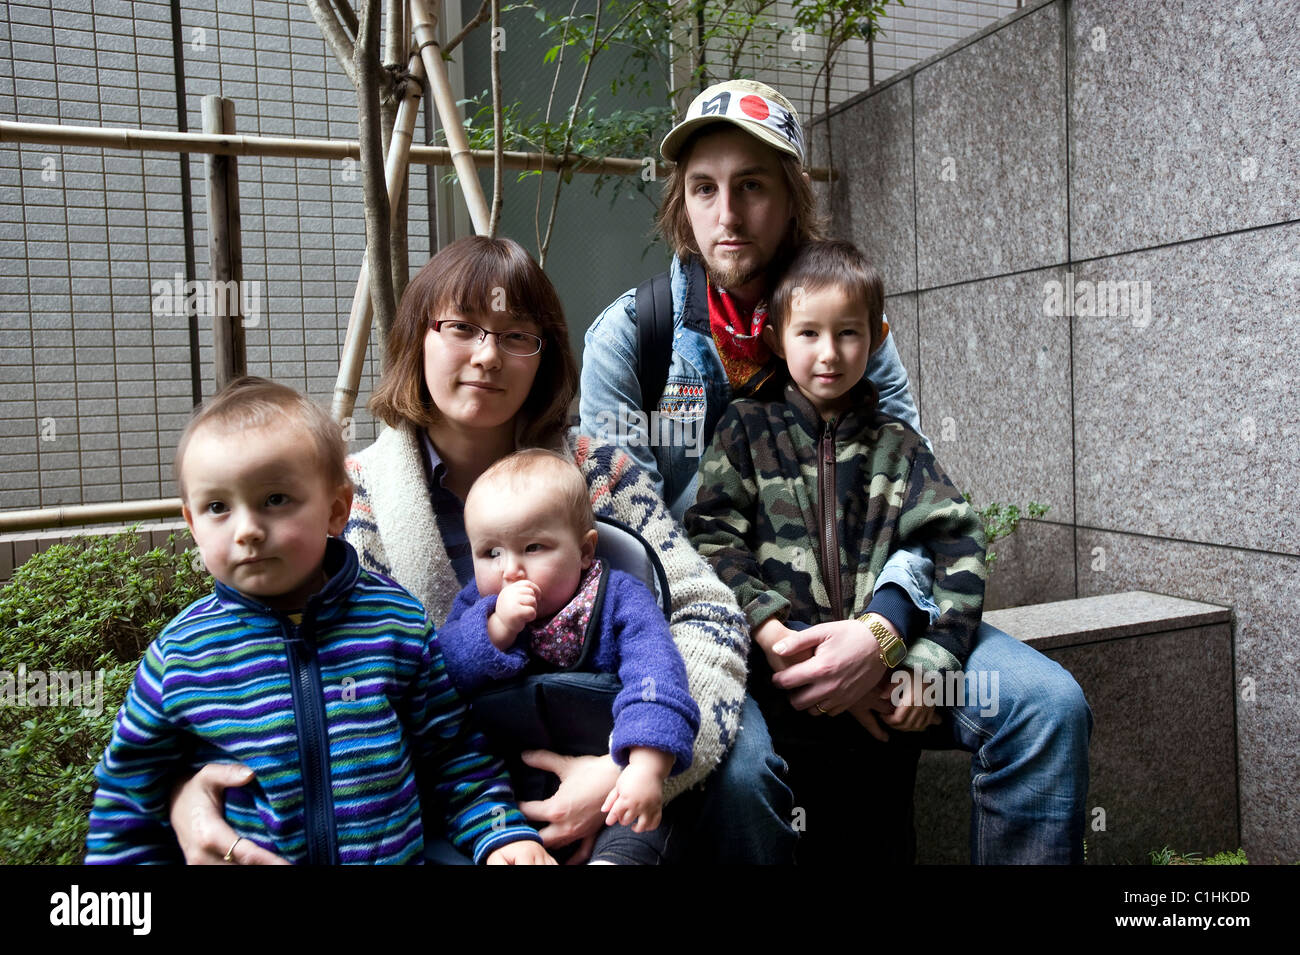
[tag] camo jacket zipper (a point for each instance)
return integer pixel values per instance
(827, 500)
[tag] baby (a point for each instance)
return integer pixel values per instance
(299, 664)
(541, 601)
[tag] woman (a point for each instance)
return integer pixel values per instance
(478, 364)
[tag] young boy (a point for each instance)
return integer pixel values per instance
(541, 601)
(324, 679)
(801, 501)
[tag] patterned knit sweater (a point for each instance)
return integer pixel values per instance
(222, 682)
(395, 532)
(758, 520)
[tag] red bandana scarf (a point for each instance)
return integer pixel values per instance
(737, 336)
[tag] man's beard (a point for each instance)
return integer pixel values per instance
(732, 276)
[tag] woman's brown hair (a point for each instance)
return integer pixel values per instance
(472, 276)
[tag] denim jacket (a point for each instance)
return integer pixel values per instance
(670, 441)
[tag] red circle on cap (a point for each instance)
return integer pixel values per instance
(754, 106)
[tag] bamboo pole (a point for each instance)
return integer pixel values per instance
(225, 257)
(425, 25)
(148, 140)
(357, 338)
(78, 514)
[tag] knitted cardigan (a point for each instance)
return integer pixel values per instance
(393, 528)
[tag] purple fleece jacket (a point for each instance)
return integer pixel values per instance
(653, 709)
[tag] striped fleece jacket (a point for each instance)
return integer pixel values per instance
(395, 530)
(332, 714)
(761, 517)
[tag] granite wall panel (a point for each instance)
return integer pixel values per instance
(1266, 658)
(1185, 405)
(1034, 565)
(873, 201)
(996, 390)
(1182, 121)
(901, 312)
(991, 180)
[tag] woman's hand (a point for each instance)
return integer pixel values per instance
(573, 813)
(845, 666)
(200, 828)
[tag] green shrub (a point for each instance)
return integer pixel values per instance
(1001, 520)
(87, 607)
(1167, 856)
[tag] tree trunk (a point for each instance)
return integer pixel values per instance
(369, 121)
(397, 44)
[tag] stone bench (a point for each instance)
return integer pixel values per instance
(1158, 674)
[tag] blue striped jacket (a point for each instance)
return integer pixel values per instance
(333, 714)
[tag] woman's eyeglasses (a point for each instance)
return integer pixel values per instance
(469, 335)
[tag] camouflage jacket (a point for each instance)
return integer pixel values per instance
(757, 517)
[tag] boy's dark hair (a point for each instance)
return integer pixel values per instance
(251, 402)
(831, 263)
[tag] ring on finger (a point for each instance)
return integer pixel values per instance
(820, 710)
(230, 853)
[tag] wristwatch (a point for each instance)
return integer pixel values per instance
(892, 648)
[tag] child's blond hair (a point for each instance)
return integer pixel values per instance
(248, 403)
(522, 472)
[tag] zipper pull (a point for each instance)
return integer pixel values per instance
(828, 442)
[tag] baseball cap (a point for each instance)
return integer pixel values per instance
(753, 106)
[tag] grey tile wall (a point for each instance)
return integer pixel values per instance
(996, 390)
(874, 202)
(94, 366)
(901, 312)
(1034, 565)
(1266, 658)
(1192, 397)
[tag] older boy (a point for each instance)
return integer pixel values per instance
(321, 677)
(802, 500)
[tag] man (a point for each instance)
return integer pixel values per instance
(736, 204)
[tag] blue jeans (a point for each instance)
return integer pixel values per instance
(1029, 772)
(744, 812)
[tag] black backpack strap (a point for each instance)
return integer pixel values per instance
(654, 335)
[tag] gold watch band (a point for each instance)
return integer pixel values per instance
(892, 648)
